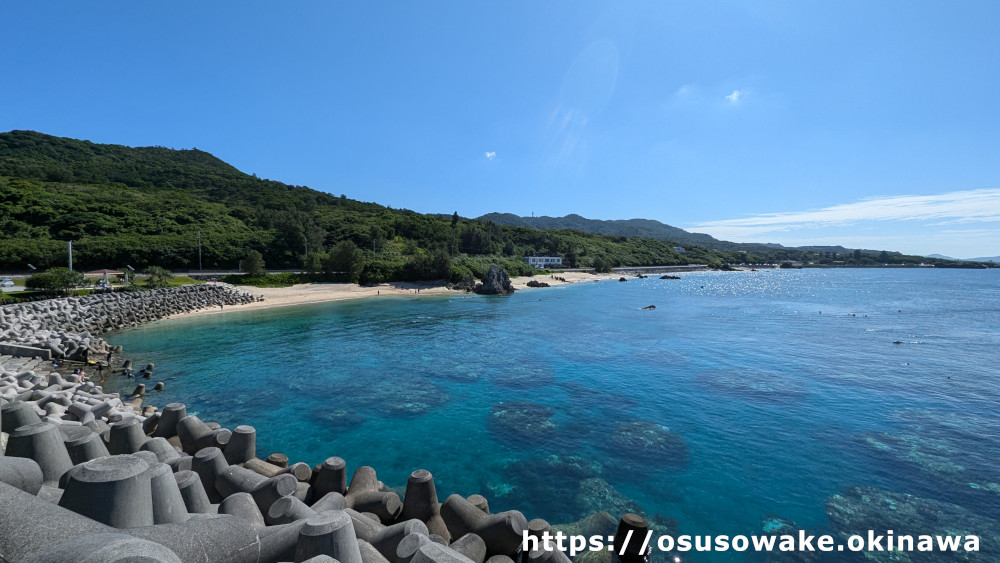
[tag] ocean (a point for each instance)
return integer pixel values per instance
(828, 400)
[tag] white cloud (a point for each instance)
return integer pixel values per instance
(971, 206)
(735, 96)
(909, 223)
(490, 155)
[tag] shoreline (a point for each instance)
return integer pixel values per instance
(307, 294)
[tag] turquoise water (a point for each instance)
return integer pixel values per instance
(779, 389)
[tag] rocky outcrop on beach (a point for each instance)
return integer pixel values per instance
(69, 327)
(536, 283)
(496, 282)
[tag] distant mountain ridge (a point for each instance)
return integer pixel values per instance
(645, 228)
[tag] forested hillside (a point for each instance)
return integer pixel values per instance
(149, 206)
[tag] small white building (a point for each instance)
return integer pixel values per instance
(542, 262)
(680, 250)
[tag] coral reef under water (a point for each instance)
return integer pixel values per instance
(857, 510)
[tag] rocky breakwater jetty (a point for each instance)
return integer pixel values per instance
(86, 477)
(69, 328)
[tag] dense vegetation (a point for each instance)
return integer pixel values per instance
(152, 206)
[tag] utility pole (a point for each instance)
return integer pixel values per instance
(199, 250)
(70, 247)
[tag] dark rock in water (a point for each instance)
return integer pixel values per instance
(394, 396)
(943, 469)
(669, 277)
(522, 420)
(536, 283)
(598, 398)
(597, 524)
(622, 279)
(649, 307)
(339, 418)
(596, 494)
(857, 510)
(496, 282)
(773, 525)
(647, 441)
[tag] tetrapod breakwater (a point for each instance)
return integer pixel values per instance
(85, 476)
(69, 328)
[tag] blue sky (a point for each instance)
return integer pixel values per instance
(871, 124)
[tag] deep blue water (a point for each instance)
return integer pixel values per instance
(779, 389)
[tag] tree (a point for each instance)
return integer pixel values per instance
(56, 280)
(253, 264)
(314, 262)
(346, 262)
(157, 277)
(602, 264)
(454, 219)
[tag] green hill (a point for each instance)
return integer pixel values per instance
(149, 206)
(146, 206)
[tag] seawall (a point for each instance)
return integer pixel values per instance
(70, 327)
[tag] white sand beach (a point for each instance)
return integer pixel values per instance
(303, 294)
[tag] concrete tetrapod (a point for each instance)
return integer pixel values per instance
(243, 506)
(636, 524)
(409, 546)
(502, 532)
(106, 548)
(368, 552)
(30, 526)
(162, 448)
(421, 502)
(208, 463)
(168, 503)
(169, 417)
(18, 414)
(278, 543)
(193, 492)
(364, 495)
(207, 539)
(43, 443)
(21, 472)
(83, 444)
(383, 538)
(329, 533)
(480, 502)
(437, 553)
(236, 479)
(113, 490)
(471, 546)
(126, 437)
(331, 477)
(242, 445)
(288, 509)
(195, 435)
